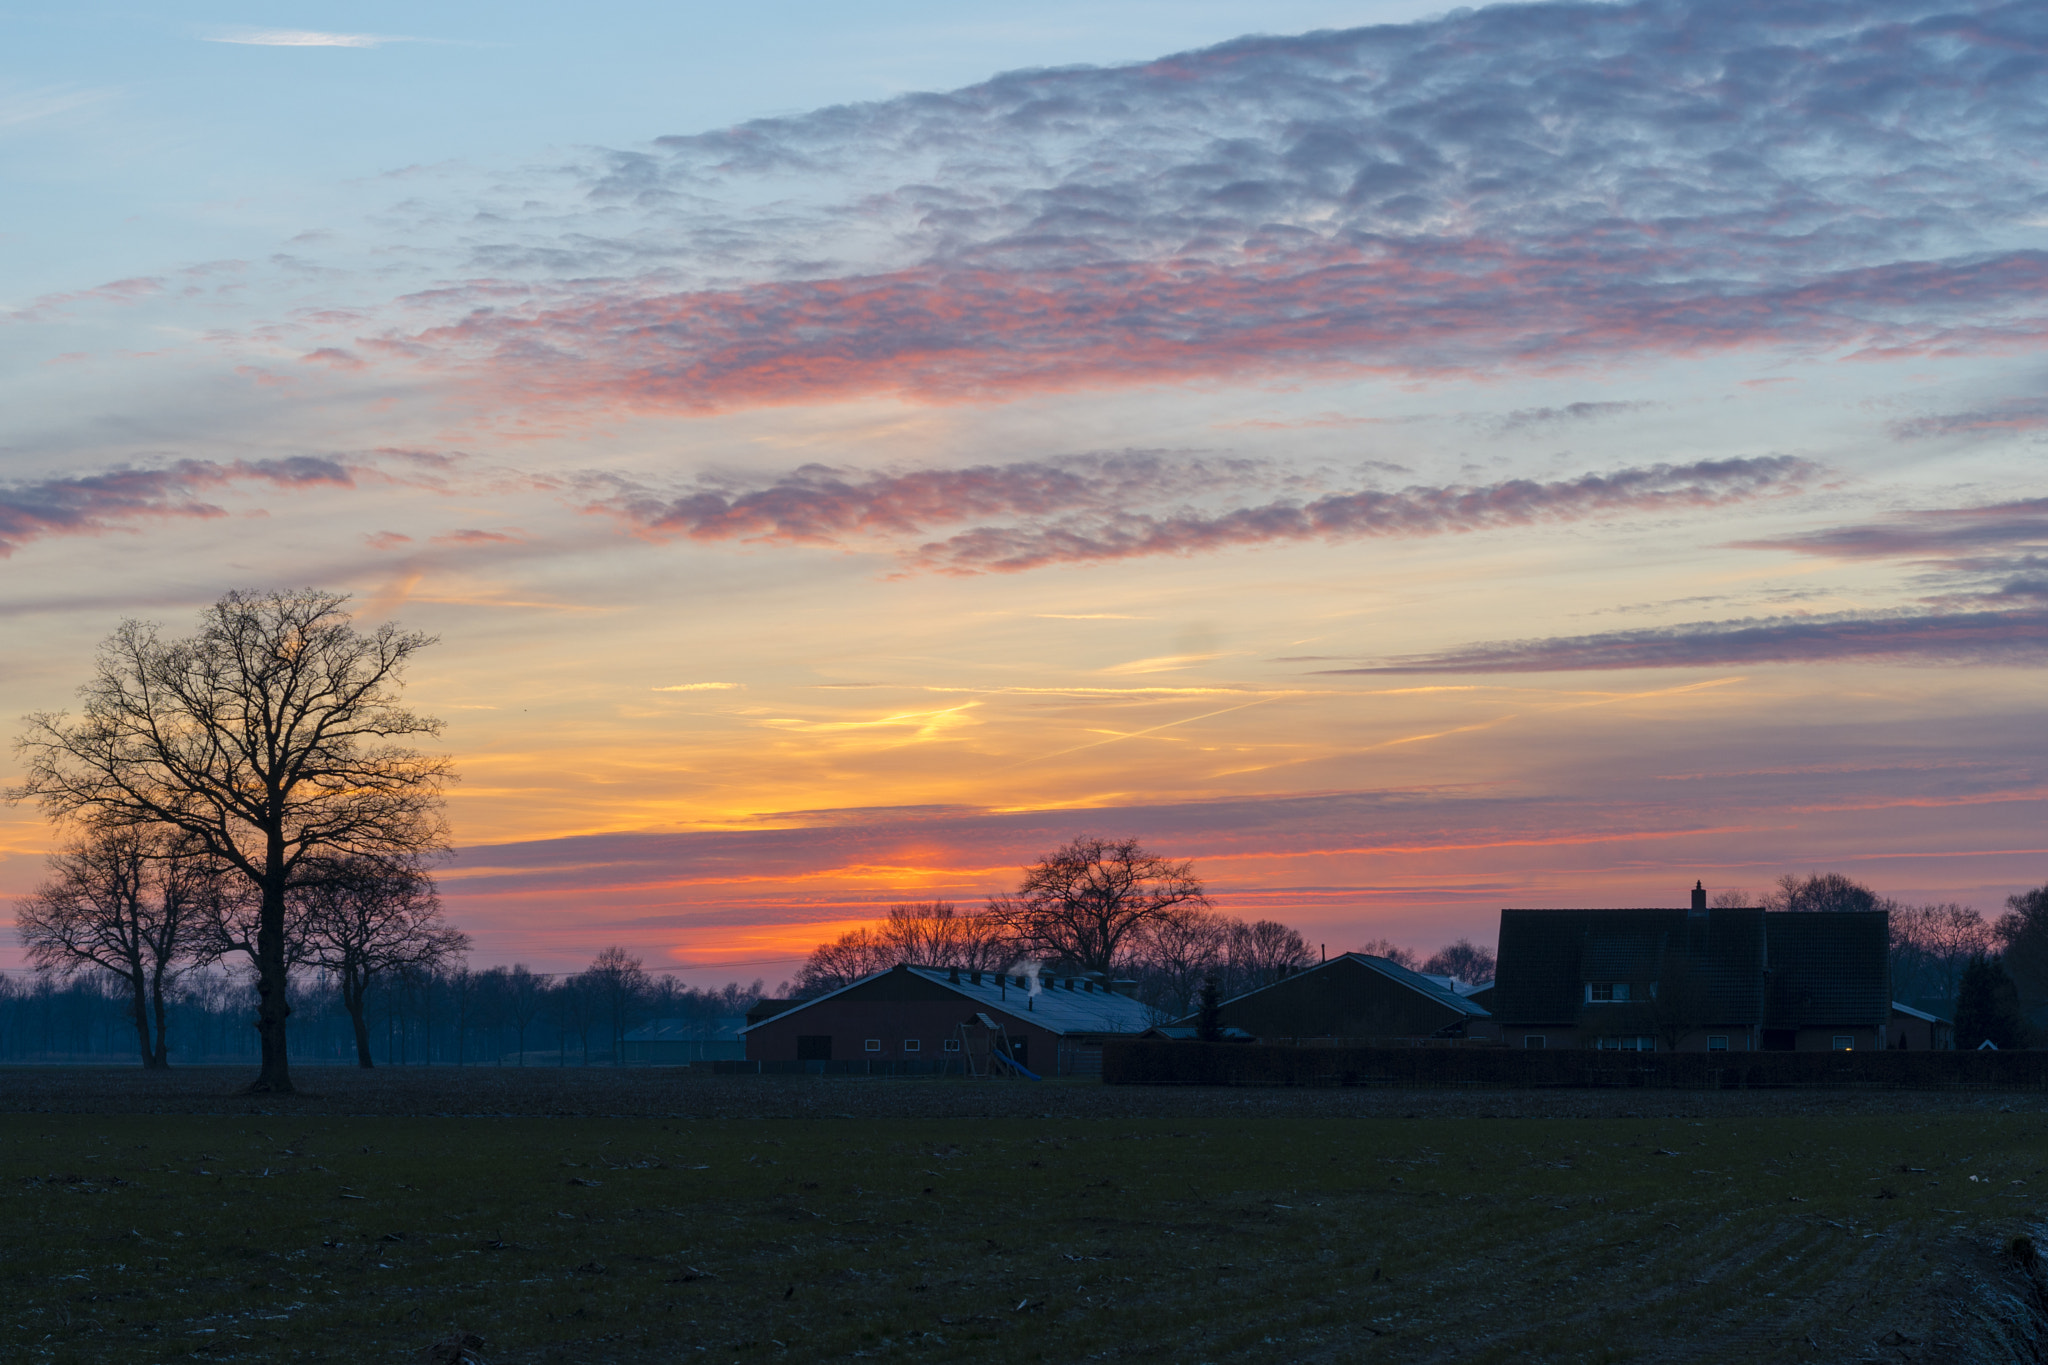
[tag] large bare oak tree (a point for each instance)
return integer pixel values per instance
(1089, 902)
(273, 736)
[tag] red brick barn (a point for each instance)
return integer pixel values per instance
(1055, 1024)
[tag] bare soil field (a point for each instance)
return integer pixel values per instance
(644, 1216)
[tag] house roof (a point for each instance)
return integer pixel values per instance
(1783, 969)
(1829, 967)
(1547, 957)
(1430, 986)
(1055, 1008)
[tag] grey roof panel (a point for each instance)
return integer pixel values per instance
(1055, 1009)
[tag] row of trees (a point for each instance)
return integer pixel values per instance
(1108, 907)
(415, 1016)
(145, 906)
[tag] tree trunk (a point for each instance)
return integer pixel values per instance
(272, 1009)
(141, 1003)
(160, 1055)
(352, 1000)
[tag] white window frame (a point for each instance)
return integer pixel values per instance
(952, 1045)
(912, 1045)
(1717, 1042)
(1633, 1042)
(874, 1044)
(1617, 992)
(1844, 1042)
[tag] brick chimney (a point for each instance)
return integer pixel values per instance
(1699, 898)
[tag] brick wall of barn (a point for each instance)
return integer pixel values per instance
(890, 1011)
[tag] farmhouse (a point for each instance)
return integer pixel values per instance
(1737, 980)
(1353, 996)
(1049, 1024)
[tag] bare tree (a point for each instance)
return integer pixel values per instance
(1392, 952)
(273, 735)
(526, 994)
(1262, 952)
(363, 918)
(926, 933)
(619, 981)
(1087, 904)
(123, 901)
(1181, 950)
(575, 1006)
(935, 934)
(1940, 940)
(1733, 898)
(1821, 891)
(1464, 959)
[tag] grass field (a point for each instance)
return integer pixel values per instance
(1692, 1228)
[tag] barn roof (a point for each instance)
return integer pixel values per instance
(1431, 986)
(1054, 1008)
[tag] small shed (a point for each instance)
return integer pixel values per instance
(1918, 1030)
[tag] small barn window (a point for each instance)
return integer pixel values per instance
(952, 1045)
(1844, 1043)
(1534, 1040)
(911, 1045)
(874, 1044)
(1606, 992)
(1717, 1042)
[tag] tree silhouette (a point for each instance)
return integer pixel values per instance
(1087, 903)
(127, 902)
(271, 737)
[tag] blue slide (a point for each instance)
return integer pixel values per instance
(996, 1054)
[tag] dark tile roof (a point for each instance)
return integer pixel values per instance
(1548, 956)
(1829, 967)
(1824, 968)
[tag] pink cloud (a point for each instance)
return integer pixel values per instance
(957, 334)
(475, 537)
(1082, 512)
(93, 503)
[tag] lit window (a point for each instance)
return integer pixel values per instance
(1844, 1043)
(874, 1044)
(1606, 992)
(1717, 1042)
(911, 1045)
(952, 1045)
(1534, 1041)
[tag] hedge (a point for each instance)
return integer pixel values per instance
(1175, 1062)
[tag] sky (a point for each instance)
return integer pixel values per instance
(1408, 462)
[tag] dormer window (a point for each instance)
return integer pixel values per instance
(1607, 992)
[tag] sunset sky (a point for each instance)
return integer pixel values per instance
(1409, 465)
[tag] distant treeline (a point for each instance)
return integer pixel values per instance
(499, 1016)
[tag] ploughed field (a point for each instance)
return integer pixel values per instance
(652, 1216)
